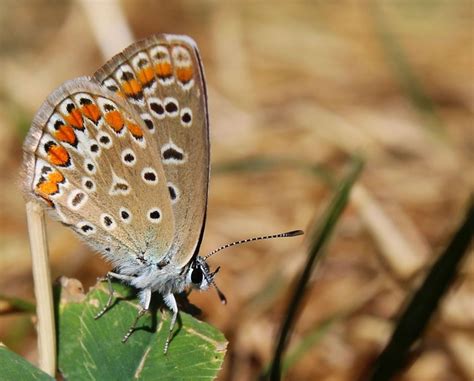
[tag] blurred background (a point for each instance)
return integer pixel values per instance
(295, 87)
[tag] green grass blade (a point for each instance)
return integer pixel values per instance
(403, 71)
(14, 305)
(267, 163)
(310, 339)
(319, 237)
(15, 368)
(424, 302)
(91, 349)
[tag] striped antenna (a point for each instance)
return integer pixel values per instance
(292, 233)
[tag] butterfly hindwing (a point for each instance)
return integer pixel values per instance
(87, 157)
(162, 79)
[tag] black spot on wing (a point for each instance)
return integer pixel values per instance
(85, 101)
(170, 154)
(186, 118)
(172, 191)
(78, 198)
(86, 228)
(171, 107)
(126, 76)
(149, 176)
(104, 139)
(108, 107)
(149, 124)
(112, 88)
(107, 221)
(155, 215)
(142, 62)
(121, 187)
(156, 107)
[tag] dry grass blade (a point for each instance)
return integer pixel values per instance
(43, 289)
(404, 252)
(320, 235)
(424, 302)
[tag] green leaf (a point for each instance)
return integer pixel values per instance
(91, 349)
(424, 302)
(319, 237)
(15, 368)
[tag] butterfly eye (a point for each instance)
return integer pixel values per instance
(196, 276)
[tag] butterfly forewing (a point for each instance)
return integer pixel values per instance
(162, 79)
(87, 157)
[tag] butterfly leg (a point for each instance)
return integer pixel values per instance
(108, 278)
(145, 299)
(170, 301)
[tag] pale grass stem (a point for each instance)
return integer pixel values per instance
(43, 289)
(109, 26)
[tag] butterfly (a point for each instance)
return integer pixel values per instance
(122, 158)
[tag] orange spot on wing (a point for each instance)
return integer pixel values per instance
(146, 75)
(115, 120)
(184, 74)
(56, 177)
(164, 69)
(49, 186)
(66, 134)
(57, 155)
(131, 87)
(75, 119)
(135, 129)
(92, 112)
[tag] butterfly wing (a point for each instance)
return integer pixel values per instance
(87, 158)
(162, 79)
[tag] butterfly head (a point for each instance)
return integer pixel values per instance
(199, 274)
(200, 277)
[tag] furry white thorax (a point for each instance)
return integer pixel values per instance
(169, 279)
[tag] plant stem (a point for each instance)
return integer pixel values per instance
(43, 289)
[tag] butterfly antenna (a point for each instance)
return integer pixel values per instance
(292, 233)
